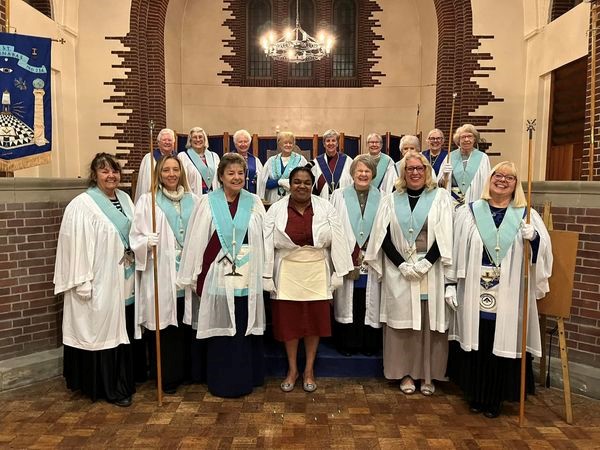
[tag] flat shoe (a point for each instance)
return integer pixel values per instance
(427, 389)
(309, 387)
(407, 386)
(124, 402)
(287, 387)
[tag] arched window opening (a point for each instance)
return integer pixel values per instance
(307, 22)
(344, 51)
(259, 22)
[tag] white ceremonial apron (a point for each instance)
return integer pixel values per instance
(303, 275)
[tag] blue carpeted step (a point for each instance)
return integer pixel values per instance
(329, 362)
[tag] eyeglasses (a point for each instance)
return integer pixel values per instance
(417, 169)
(502, 177)
(435, 139)
(466, 136)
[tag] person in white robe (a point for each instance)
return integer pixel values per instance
(332, 168)
(306, 256)
(199, 163)
(223, 260)
(465, 170)
(273, 180)
(489, 242)
(173, 208)
(241, 141)
(411, 249)
(356, 303)
(166, 146)
(386, 169)
(94, 272)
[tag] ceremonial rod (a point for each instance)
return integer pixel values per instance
(526, 247)
(448, 180)
(417, 122)
(155, 267)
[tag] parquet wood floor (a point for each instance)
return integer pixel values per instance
(342, 414)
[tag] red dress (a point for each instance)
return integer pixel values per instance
(296, 319)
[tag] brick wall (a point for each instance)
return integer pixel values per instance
(583, 327)
(458, 60)
(585, 172)
(30, 314)
(322, 70)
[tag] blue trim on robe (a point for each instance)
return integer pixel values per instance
(419, 213)
(464, 176)
(506, 232)
(205, 170)
(178, 222)
(337, 171)
(382, 166)
(361, 224)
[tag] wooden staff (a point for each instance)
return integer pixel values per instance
(448, 178)
(592, 94)
(526, 245)
(155, 261)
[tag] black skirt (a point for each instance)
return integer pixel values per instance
(106, 374)
(356, 337)
(235, 364)
(485, 378)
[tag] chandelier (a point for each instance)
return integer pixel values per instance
(297, 46)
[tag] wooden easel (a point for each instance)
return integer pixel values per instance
(558, 301)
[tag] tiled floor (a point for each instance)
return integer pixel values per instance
(342, 413)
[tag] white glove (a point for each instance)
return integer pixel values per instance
(450, 297)
(84, 290)
(408, 271)
(269, 285)
(336, 281)
(527, 231)
(446, 169)
(152, 240)
(422, 267)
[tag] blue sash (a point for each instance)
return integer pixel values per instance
(225, 224)
(361, 225)
(497, 241)
(276, 168)
(332, 179)
(464, 176)
(178, 222)
(206, 172)
(411, 223)
(121, 222)
(382, 165)
(251, 174)
(157, 154)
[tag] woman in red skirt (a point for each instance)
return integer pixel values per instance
(305, 259)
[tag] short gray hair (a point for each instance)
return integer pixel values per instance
(164, 131)
(367, 160)
(436, 130)
(468, 128)
(408, 139)
(240, 133)
(376, 135)
(188, 144)
(331, 133)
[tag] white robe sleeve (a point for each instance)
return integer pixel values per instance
(196, 239)
(144, 178)
(262, 177)
(138, 234)
(75, 250)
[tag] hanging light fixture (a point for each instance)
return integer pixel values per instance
(297, 46)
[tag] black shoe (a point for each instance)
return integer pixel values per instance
(492, 412)
(475, 407)
(170, 391)
(124, 402)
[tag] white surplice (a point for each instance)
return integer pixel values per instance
(342, 305)
(216, 314)
(194, 176)
(144, 265)
(327, 234)
(467, 257)
(90, 249)
(345, 178)
(400, 298)
(481, 176)
(272, 195)
(390, 177)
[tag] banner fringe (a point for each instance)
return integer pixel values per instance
(25, 162)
